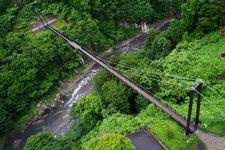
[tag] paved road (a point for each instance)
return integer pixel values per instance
(211, 141)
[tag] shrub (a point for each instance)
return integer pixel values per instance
(109, 142)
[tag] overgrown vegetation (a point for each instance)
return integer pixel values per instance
(32, 64)
(197, 18)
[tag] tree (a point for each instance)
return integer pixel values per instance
(45, 141)
(176, 6)
(202, 16)
(88, 111)
(100, 78)
(7, 21)
(109, 141)
(161, 46)
(115, 97)
(4, 4)
(148, 44)
(161, 8)
(120, 11)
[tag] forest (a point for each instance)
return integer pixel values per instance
(33, 64)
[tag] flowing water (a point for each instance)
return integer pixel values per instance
(59, 121)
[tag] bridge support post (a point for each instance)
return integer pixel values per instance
(199, 89)
(188, 131)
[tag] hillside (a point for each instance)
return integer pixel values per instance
(33, 64)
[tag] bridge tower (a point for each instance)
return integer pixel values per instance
(196, 89)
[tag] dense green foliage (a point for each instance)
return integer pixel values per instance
(197, 59)
(45, 141)
(112, 97)
(87, 113)
(109, 141)
(197, 19)
(32, 63)
(163, 128)
(196, 55)
(28, 72)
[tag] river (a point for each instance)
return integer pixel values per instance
(59, 121)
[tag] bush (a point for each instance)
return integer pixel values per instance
(115, 97)
(161, 46)
(152, 34)
(87, 111)
(109, 142)
(141, 103)
(45, 141)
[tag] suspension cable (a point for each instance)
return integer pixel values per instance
(159, 74)
(212, 90)
(209, 101)
(154, 79)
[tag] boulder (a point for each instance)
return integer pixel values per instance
(38, 105)
(60, 97)
(39, 122)
(53, 105)
(45, 116)
(41, 112)
(16, 143)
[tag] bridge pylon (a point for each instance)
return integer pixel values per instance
(195, 89)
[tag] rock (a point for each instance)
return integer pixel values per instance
(45, 116)
(62, 97)
(35, 118)
(53, 105)
(34, 123)
(41, 112)
(38, 105)
(44, 129)
(44, 107)
(57, 96)
(61, 102)
(39, 122)
(16, 143)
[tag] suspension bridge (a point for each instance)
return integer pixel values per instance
(186, 123)
(139, 89)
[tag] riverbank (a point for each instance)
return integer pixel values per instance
(58, 121)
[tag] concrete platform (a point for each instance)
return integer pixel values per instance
(143, 140)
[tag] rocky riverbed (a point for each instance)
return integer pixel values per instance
(54, 117)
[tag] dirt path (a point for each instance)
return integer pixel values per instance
(211, 141)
